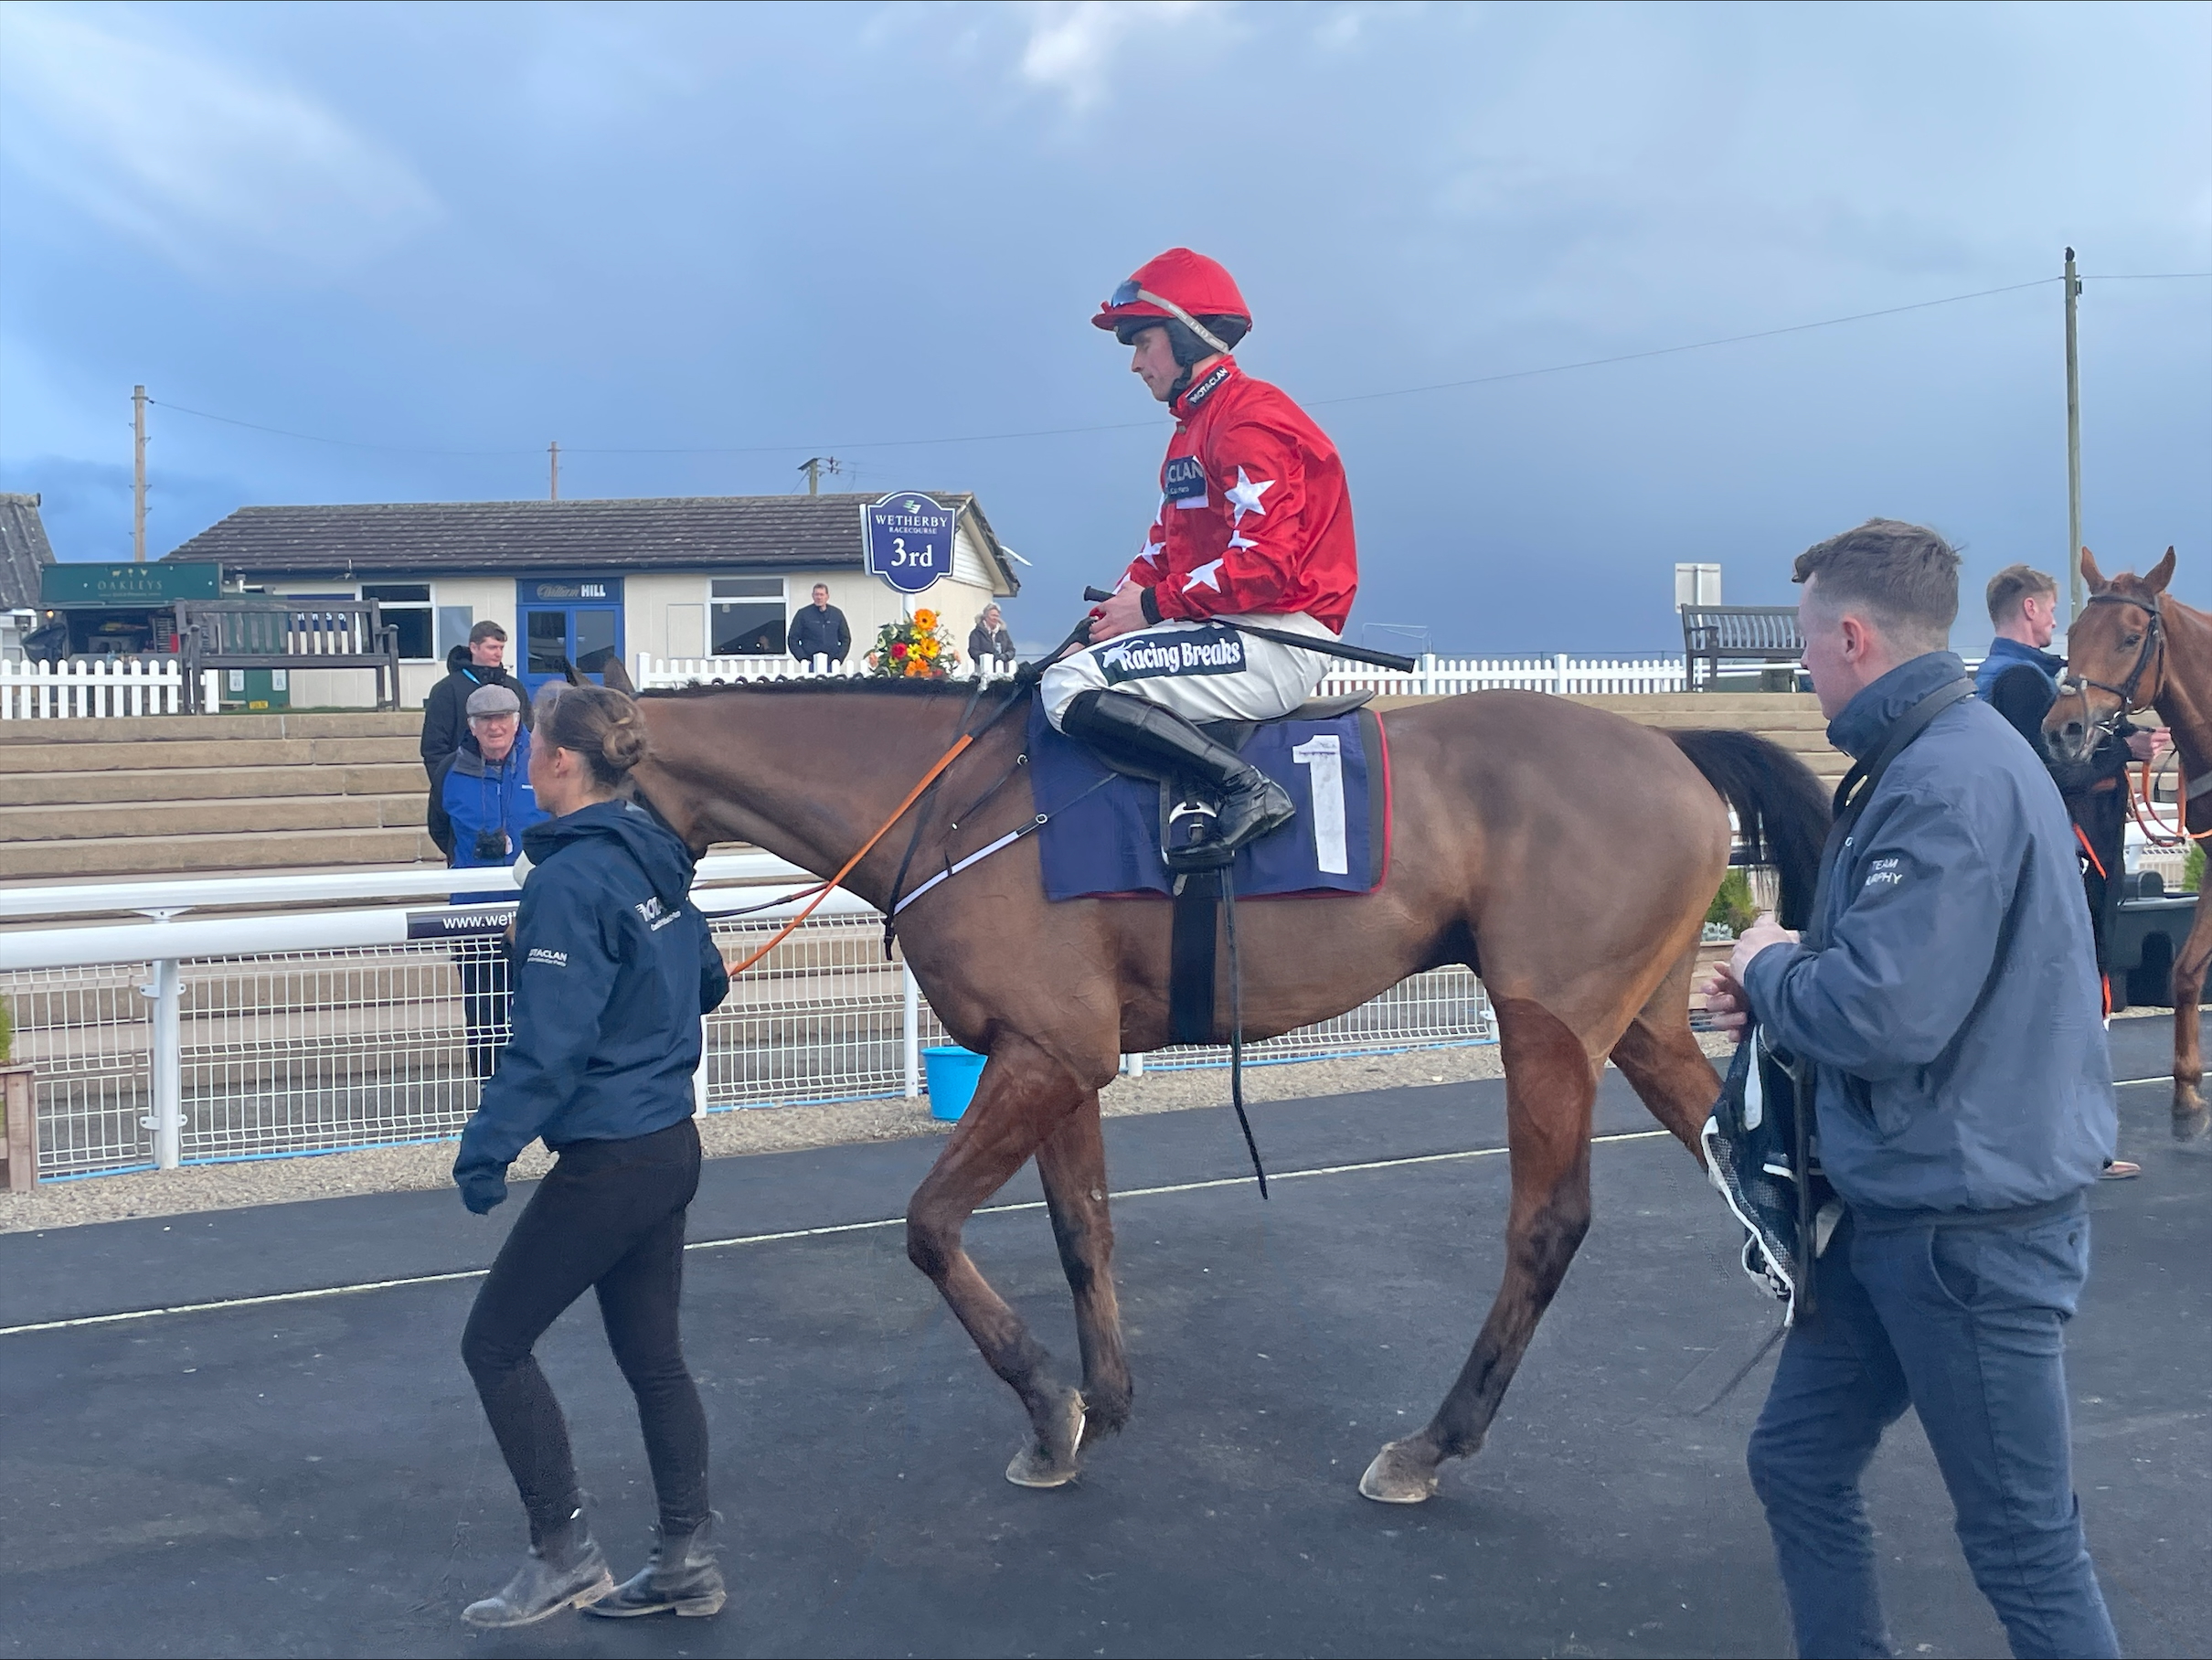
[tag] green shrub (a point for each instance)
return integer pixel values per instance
(1732, 906)
(2192, 870)
(7, 1032)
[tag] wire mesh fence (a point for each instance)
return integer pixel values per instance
(310, 1051)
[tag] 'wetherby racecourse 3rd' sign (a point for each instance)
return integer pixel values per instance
(908, 540)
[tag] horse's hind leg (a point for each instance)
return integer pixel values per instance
(1660, 1057)
(1550, 1085)
(1020, 1100)
(1072, 1163)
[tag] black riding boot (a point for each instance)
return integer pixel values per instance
(564, 1568)
(1252, 803)
(679, 1578)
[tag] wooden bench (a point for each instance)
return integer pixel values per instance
(1765, 636)
(270, 633)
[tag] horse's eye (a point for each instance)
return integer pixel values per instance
(2132, 640)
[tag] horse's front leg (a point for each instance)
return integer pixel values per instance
(1072, 1163)
(1022, 1098)
(1550, 1086)
(2189, 1114)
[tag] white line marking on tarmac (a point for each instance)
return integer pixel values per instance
(769, 1239)
(815, 1233)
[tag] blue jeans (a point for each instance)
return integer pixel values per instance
(1964, 1324)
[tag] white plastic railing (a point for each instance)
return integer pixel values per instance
(655, 671)
(1562, 674)
(175, 896)
(96, 687)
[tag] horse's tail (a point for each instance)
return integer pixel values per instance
(1781, 812)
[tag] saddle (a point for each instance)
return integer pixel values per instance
(1204, 899)
(1189, 805)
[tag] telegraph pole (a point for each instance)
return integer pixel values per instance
(2073, 446)
(813, 467)
(138, 473)
(553, 454)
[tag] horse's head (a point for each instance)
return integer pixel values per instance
(2115, 657)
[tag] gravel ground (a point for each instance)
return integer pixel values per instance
(278, 1181)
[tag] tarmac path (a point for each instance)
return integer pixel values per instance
(303, 1468)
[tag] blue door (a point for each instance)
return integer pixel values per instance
(566, 620)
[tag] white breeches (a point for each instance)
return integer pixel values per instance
(1200, 670)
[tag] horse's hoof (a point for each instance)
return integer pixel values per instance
(1399, 1475)
(1040, 1464)
(2189, 1126)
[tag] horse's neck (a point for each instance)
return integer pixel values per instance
(810, 779)
(2184, 697)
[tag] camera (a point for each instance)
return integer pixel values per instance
(492, 844)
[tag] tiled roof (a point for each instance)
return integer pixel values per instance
(23, 550)
(689, 532)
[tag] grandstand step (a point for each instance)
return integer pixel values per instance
(210, 784)
(188, 729)
(176, 855)
(249, 815)
(46, 755)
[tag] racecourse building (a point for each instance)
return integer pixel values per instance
(685, 576)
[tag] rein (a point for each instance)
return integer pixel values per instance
(913, 795)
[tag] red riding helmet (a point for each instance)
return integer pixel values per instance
(1179, 286)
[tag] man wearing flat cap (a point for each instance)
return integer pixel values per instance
(488, 801)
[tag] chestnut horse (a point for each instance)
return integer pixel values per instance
(2135, 646)
(1572, 852)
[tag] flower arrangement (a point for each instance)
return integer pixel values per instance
(917, 649)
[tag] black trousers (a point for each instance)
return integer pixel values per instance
(610, 1216)
(487, 1002)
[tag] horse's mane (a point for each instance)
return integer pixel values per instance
(845, 685)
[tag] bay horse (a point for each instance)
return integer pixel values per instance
(1567, 854)
(2135, 646)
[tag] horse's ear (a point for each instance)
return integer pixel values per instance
(2159, 575)
(616, 678)
(2090, 574)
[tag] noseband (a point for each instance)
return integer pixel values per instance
(2154, 639)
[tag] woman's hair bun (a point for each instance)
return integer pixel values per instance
(624, 742)
(599, 724)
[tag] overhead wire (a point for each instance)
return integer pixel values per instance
(1126, 426)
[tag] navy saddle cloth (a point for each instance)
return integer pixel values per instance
(1104, 838)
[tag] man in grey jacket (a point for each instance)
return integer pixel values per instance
(1944, 1008)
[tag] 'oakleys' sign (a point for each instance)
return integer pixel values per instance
(908, 540)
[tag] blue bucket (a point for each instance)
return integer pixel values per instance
(952, 1073)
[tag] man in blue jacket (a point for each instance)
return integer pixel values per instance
(489, 803)
(1945, 1009)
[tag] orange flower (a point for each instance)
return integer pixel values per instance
(925, 618)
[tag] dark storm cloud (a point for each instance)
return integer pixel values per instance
(786, 230)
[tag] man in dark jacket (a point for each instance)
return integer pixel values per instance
(1944, 1009)
(820, 630)
(445, 722)
(2019, 679)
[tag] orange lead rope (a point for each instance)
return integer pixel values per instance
(2145, 810)
(929, 778)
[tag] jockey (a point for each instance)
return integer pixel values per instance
(1254, 525)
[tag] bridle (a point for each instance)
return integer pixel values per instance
(2153, 640)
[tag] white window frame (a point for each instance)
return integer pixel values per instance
(782, 596)
(428, 606)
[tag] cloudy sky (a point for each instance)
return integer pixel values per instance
(698, 245)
